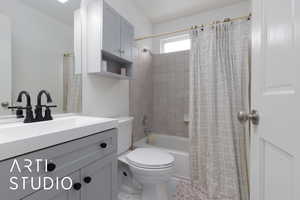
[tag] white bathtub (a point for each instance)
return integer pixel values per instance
(177, 146)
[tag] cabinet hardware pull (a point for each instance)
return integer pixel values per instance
(103, 145)
(51, 167)
(77, 186)
(87, 179)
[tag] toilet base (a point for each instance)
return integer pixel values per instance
(155, 192)
(126, 196)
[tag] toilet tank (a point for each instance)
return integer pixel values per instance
(124, 134)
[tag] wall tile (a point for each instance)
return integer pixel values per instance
(160, 92)
(170, 91)
(141, 92)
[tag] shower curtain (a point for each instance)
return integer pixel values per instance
(72, 86)
(219, 88)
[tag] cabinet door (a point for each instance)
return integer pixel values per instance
(59, 194)
(127, 34)
(103, 180)
(111, 30)
(92, 35)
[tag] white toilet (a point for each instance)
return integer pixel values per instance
(151, 167)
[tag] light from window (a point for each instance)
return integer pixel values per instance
(63, 1)
(179, 43)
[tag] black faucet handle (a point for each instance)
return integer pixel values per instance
(15, 107)
(20, 107)
(48, 115)
(19, 111)
(50, 106)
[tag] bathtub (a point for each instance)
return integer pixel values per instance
(177, 146)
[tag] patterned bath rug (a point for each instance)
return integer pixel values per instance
(185, 190)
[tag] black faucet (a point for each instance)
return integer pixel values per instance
(28, 108)
(39, 107)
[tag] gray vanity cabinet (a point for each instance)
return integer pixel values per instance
(98, 182)
(93, 157)
(111, 30)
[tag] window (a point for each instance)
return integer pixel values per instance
(173, 44)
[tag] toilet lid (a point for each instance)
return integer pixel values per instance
(150, 158)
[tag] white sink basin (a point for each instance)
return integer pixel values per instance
(19, 138)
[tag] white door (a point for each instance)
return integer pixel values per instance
(275, 148)
(5, 64)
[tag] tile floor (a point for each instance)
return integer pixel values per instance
(171, 187)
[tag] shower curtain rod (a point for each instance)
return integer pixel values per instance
(193, 27)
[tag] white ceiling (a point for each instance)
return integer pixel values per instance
(53, 8)
(163, 10)
(156, 10)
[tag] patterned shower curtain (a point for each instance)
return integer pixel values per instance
(219, 88)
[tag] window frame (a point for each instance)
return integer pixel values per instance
(177, 38)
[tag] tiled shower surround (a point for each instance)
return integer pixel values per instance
(170, 93)
(141, 93)
(159, 91)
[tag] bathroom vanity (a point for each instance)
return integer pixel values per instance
(83, 149)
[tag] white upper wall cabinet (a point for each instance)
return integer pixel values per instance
(111, 30)
(127, 35)
(109, 38)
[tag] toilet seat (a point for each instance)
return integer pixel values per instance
(150, 158)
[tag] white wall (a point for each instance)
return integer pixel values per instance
(5, 62)
(235, 10)
(107, 97)
(38, 44)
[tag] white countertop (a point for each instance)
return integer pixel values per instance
(19, 138)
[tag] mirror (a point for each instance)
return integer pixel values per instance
(37, 52)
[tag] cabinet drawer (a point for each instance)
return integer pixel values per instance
(63, 158)
(58, 193)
